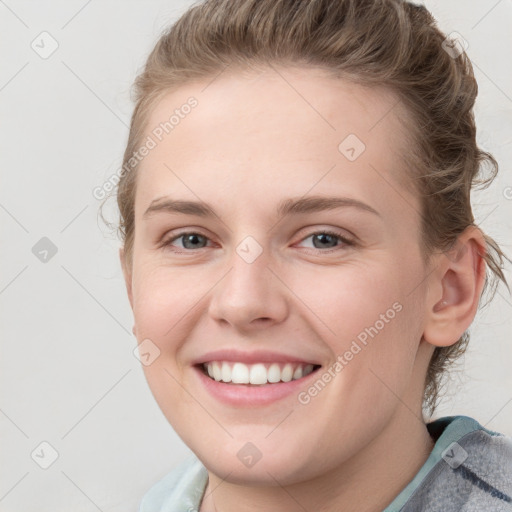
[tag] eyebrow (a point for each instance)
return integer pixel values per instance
(291, 206)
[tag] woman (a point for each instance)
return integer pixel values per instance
(302, 261)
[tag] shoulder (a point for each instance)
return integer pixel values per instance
(487, 469)
(470, 470)
(180, 490)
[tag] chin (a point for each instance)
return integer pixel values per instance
(258, 464)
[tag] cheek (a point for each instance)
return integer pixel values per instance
(177, 405)
(366, 315)
(162, 299)
(350, 299)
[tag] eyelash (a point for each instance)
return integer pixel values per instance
(346, 242)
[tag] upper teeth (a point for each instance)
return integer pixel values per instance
(259, 373)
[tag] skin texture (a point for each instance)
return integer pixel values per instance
(252, 141)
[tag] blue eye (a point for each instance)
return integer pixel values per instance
(326, 237)
(193, 240)
(189, 239)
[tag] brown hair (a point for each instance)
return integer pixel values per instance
(384, 43)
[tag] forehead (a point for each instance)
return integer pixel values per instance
(274, 133)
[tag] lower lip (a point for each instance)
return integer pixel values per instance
(250, 395)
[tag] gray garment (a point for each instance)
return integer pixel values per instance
(469, 470)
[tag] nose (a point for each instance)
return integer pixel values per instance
(250, 295)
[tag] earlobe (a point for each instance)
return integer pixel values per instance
(455, 291)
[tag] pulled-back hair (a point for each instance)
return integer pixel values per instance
(383, 43)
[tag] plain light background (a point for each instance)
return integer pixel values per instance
(68, 374)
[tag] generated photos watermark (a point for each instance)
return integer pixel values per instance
(151, 142)
(304, 397)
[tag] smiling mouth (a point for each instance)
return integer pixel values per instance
(258, 374)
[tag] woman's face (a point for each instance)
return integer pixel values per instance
(272, 161)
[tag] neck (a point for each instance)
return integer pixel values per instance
(367, 482)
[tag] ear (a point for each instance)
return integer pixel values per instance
(455, 289)
(127, 273)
